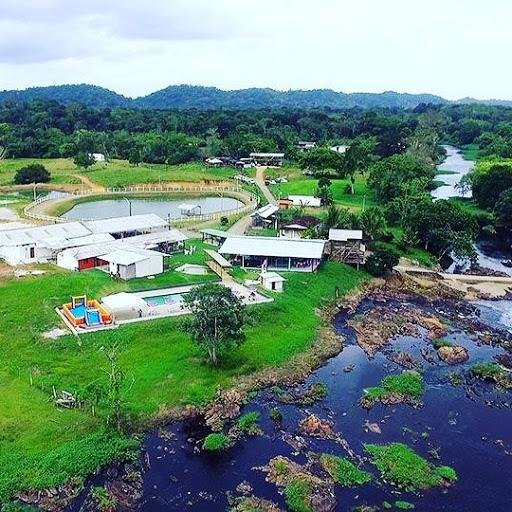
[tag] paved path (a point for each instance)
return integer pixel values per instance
(260, 181)
(240, 226)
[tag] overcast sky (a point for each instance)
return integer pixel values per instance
(453, 48)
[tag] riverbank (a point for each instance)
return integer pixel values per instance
(163, 369)
(430, 333)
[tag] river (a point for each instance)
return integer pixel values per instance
(489, 251)
(466, 426)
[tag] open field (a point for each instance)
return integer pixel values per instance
(41, 445)
(116, 173)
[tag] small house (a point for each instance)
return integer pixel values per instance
(213, 236)
(296, 227)
(346, 245)
(98, 157)
(130, 263)
(265, 217)
(340, 148)
(272, 281)
(214, 162)
(284, 204)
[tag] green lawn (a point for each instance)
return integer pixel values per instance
(307, 186)
(471, 152)
(116, 173)
(41, 445)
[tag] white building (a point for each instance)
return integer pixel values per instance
(309, 201)
(39, 244)
(269, 253)
(129, 262)
(130, 225)
(305, 145)
(340, 148)
(98, 157)
(272, 281)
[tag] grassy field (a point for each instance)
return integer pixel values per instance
(307, 186)
(41, 445)
(471, 152)
(116, 173)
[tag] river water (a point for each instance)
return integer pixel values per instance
(458, 167)
(466, 426)
(490, 253)
(165, 208)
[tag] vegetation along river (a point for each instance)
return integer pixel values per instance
(489, 252)
(460, 418)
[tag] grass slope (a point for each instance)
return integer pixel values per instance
(41, 445)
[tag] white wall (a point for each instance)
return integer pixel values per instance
(67, 260)
(152, 266)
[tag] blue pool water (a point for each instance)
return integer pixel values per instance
(93, 317)
(162, 300)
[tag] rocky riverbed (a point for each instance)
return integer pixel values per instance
(414, 411)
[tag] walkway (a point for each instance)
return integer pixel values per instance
(260, 181)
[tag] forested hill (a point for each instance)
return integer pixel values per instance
(203, 98)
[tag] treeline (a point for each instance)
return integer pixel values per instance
(47, 129)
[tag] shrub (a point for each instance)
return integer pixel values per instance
(106, 502)
(297, 496)
(276, 415)
(487, 371)
(248, 423)
(344, 472)
(404, 505)
(403, 467)
(441, 342)
(224, 221)
(33, 173)
(216, 442)
(382, 260)
(408, 385)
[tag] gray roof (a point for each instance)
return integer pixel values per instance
(342, 235)
(270, 246)
(266, 211)
(218, 258)
(215, 232)
(128, 223)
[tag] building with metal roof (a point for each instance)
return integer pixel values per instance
(271, 253)
(127, 226)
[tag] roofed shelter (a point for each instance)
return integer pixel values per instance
(346, 245)
(121, 227)
(269, 253)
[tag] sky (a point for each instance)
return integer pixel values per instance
(454, 48)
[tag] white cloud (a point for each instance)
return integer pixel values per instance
(136, 47)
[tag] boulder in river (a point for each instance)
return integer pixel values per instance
(453, 355)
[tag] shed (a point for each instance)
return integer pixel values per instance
(215, 236)
(346, 245)
(218, 263)
(272, 281)
(130, 263)
(271, 159)
(189, 209)
(265, 216)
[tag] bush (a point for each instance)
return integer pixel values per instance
(297, 496)
(248, 423)
(343, 471)
(382, 260)
(33, 173)
(224, 221)
(216, 442)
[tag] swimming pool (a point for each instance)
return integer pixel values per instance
(163, 300)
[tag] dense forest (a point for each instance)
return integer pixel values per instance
(211, 98)
(48, 129)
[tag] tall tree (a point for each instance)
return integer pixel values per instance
(217, 321)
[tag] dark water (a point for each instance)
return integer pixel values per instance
(454, 420)
(107, 208)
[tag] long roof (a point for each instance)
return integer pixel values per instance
(218, 258)
(128, 223)
(129, 255)
(270, 246)
(151, 239)
(39, 234)
(215, 232)
(342, 235)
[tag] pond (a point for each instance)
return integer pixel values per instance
(464, 425)
(165, 208)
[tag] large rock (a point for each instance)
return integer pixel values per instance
(453, 355)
